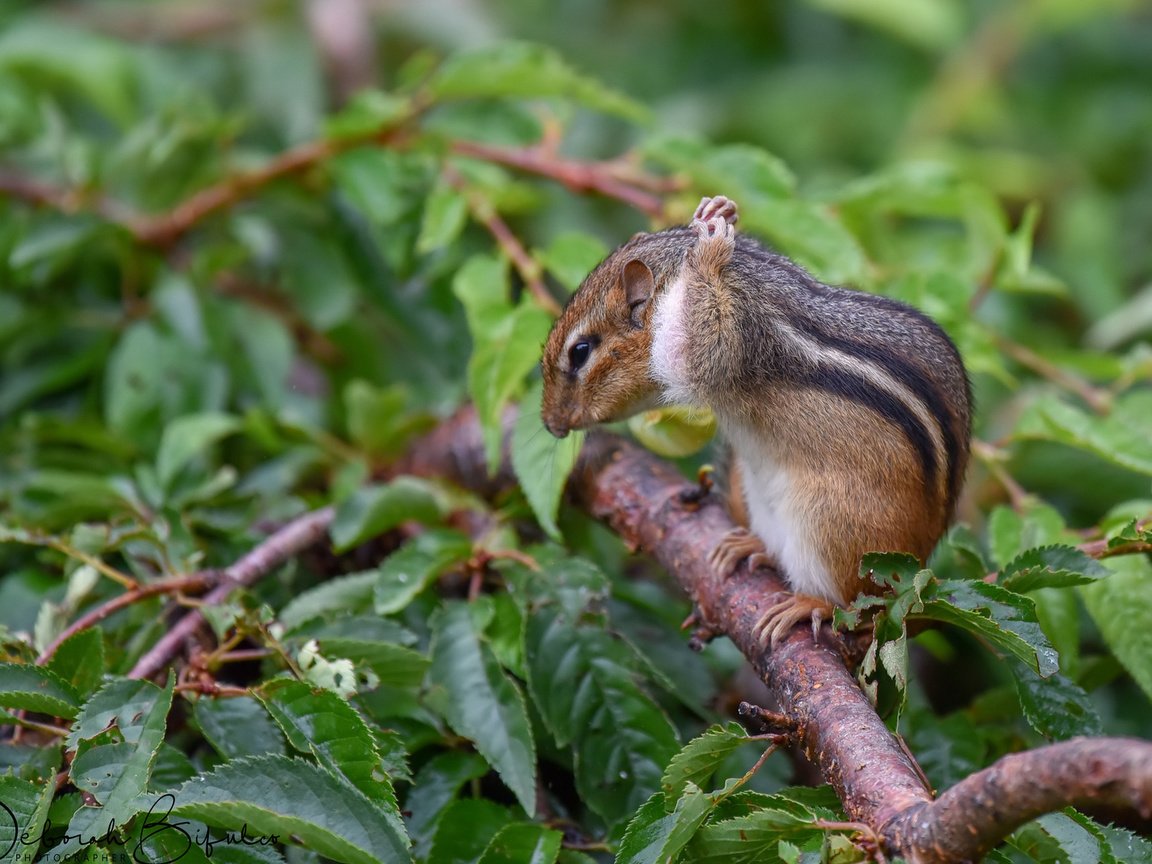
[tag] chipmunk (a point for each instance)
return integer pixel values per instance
(848, 414)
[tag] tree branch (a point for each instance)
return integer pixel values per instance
(289, 541)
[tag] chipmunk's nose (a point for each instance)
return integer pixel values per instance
(556, 429)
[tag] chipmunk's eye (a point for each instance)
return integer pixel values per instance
(578, 354)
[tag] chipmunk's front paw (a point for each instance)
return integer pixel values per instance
(782, 617)
(734, 547)
(719, 206)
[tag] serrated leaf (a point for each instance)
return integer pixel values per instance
(415, 565)
(116, 775)
(80, 660)
(523, 843)
(480, 702)
(542, 464)
(393, 665)
(237, 727)
(275, 795)
(521, 69)
(750, 839)
(33, 688)
(445, 213)
(1011, 532)
(588, 698)
(1055, 706)
(321, 723)
(120, 702)
(1119, 606)
(1050, 567)
(571, 256)
(1000, 617)
(675, 431)
(349, 593)
(655, 836)
(372, 510)
(186, 437)
(25, 806)
(699, 759)
(1075, 838)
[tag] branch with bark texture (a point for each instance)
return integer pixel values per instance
(648, 503)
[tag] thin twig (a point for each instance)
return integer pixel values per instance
(993, 460)
(195, 582)
(1098, 400)
(527, 266)
(1099, 548)
(289, 541)
(600, 177)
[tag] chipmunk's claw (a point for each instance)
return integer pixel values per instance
(734, 547)
(782, 617)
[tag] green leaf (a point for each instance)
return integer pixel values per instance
(275, 795)
(655, 836)
(1119, 606)
(506, 343)
(755, 837)
(372, 510)
(1055, 706)
(521, 69)
(26, 808)
(121, 702)
(523, 843)
(699, 759)
(675, 431)
(435, 786)
(747, 174)
(1050, 567)
(445, 213)
(392, 664)
(237, 727)
(571, 256)
(1123, 437)
(587, 695)
(1078, 838)
(480, 702)
(1004, 619)
(32, 688)
(80, 660)
(466, 829)
(349, 593)
(415, 565)
(321, 723)
(542, 464)
(929, 24)
(1011, 532)
(187, 437)
(116, 775)
(379, 418)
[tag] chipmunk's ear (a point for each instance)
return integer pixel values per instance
(638, 283)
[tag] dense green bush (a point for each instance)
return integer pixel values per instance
(226, 301)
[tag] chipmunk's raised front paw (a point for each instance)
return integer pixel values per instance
(782, 617)
(718, 206)
(734, 547)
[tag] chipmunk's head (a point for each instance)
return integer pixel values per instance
(596, 359)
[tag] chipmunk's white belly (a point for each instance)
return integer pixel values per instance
(776, 516)
(668, 362)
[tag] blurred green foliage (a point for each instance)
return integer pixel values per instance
(234, 288)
